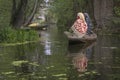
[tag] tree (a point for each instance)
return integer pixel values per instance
(5, 12)
(103, 12)
(23, 12)
(100, 11)
(66, 10)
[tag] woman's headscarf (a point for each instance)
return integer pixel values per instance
(81, 16)
(80, 27)
(89, 23)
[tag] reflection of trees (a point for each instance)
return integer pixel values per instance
(104, 55)
(21, 55)
(50, 67)
(29, 58)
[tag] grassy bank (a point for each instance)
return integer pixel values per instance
(14, 44)
(9, 36)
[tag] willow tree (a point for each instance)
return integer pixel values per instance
(103, 12)
(23, 12)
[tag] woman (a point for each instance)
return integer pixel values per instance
(79, 27)
(89, 23)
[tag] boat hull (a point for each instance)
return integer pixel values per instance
(74, 39)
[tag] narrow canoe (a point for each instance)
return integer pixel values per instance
(87, 38)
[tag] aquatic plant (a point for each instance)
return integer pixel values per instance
(9, 35)
(19, 63)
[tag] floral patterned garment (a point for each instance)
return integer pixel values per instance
(79, 27)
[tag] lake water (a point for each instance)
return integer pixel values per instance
(53, 58)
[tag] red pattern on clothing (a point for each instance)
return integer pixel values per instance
(80, 26)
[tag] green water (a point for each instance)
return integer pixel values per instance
(52, 59)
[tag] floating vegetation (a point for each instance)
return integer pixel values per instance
(8, 73)
(95, 62)
(18, 43)
(34, 64)
(47, 67)
(1, 55)
(58, 75)
(43, 77)
(32, 74)
(89, 73)
(63, 79)
(81, 75)
(110, 47)
(50, 67)
(19, 63)
(95, 72)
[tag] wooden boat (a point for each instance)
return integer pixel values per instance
(74, 39)
(38, 26)
(33, 24)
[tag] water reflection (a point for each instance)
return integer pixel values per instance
(93, 61)
(45, 39)
(80, 54)
(80, 62)
(47, 48)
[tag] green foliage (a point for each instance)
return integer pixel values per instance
(63, 10)
(117, 11)
(66, 10)
(29, 8)
(5, 12)
(9, 35)
(116, 21)
(7, 73)
(117, 7)
(19, 63)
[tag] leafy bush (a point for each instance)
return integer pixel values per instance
(117, 7)
(33, 35)
(5, 12)
(9, 35)
(117, 11)
(66, 10)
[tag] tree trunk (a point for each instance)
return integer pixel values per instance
(32, 14)
(103, 11)
(17, 17)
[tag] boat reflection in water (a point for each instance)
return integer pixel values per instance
(80, 54)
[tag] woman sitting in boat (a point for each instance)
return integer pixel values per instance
(79, 27)
(89, 23)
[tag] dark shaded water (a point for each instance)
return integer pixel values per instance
(53, 59)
